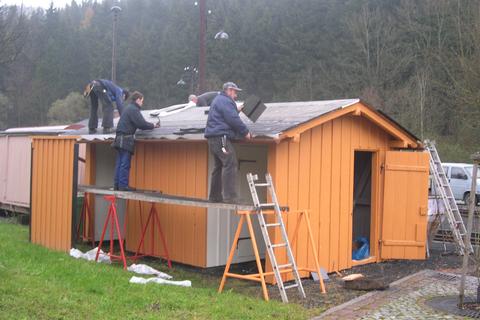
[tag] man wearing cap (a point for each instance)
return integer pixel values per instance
(223, 126)
(108, 92)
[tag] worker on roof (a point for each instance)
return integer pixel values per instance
(130, 120)
(223, 126)
(108, 92)
(203, 100)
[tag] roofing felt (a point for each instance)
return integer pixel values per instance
(188, 122)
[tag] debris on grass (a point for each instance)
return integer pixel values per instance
(140, 280)
(90, 255)
(144, 269)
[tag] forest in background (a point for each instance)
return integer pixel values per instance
(416, 60)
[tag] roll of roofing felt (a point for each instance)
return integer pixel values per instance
(253, 108)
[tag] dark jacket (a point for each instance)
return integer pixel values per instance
(223, 119)
(114, 93)
(130, 120)
(206, 99)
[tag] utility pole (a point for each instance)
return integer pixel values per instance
(115, 10)
(471, 209)
(202, 53)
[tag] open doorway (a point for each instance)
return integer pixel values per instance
(362, 205)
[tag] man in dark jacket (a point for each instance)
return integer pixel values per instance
(130, 120)
(223, 126)
(108, 92)
(205, 99)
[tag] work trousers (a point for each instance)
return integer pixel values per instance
(224, 174)
(100, 93)
(122, 168)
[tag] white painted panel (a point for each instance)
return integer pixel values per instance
(222, 224)
(105, 170)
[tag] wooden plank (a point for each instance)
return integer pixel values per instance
(403, 243)
(293, 195)
(325, 243)
(346, 195)
(314, 199)
(407, 168)
(189, 215)
(201, 190)
(152, 196)
(305, 172)
(335, 195)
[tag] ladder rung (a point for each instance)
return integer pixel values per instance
(281, 266)
(272, 224)
(291, 286)
(266, 184)
(278, 245)
(266, 205)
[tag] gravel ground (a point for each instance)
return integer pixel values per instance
(390, 271)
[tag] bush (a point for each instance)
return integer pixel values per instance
(73, 108)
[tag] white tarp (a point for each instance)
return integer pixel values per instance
(144, 269)
(435, 207)
(90, 255)
(139, 280)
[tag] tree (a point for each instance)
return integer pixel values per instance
(5, 108)
(12, 33)
(73, 108)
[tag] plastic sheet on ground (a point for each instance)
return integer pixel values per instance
(144, 269)
(139, 280)
(90, 255)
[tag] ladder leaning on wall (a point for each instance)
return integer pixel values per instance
(285, 243)
(442, 186)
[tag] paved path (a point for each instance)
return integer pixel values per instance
(404, 299)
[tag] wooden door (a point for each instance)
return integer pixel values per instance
(404, 223)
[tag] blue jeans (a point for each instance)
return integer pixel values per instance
(122, 168)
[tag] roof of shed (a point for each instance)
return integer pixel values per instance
(188, 122)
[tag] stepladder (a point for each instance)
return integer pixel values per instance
(442, 190)
(270, 220)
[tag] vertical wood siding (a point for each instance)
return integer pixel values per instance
(52, 189)
(177, 169)
(404, 228)
(316, 173)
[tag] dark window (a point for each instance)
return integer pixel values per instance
(458, 173)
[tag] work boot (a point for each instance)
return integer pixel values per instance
(230, 201)
(108, 130)
(127, 188)
(92, 131)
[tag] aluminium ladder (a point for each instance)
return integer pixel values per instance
(442, 186)
(291, 266)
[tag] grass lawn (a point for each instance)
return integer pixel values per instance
(37, 283)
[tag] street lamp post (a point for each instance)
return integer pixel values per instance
(115, 10)
(202, 55)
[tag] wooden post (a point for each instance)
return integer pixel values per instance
(232, 252)
(471, 209)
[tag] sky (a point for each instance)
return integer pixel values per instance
(37, 3)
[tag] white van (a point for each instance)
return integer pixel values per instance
(460, 177)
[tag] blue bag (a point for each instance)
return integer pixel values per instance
(363, 250)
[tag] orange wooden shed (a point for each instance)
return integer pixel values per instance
(357, 172)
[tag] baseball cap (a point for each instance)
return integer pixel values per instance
(231, 85)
